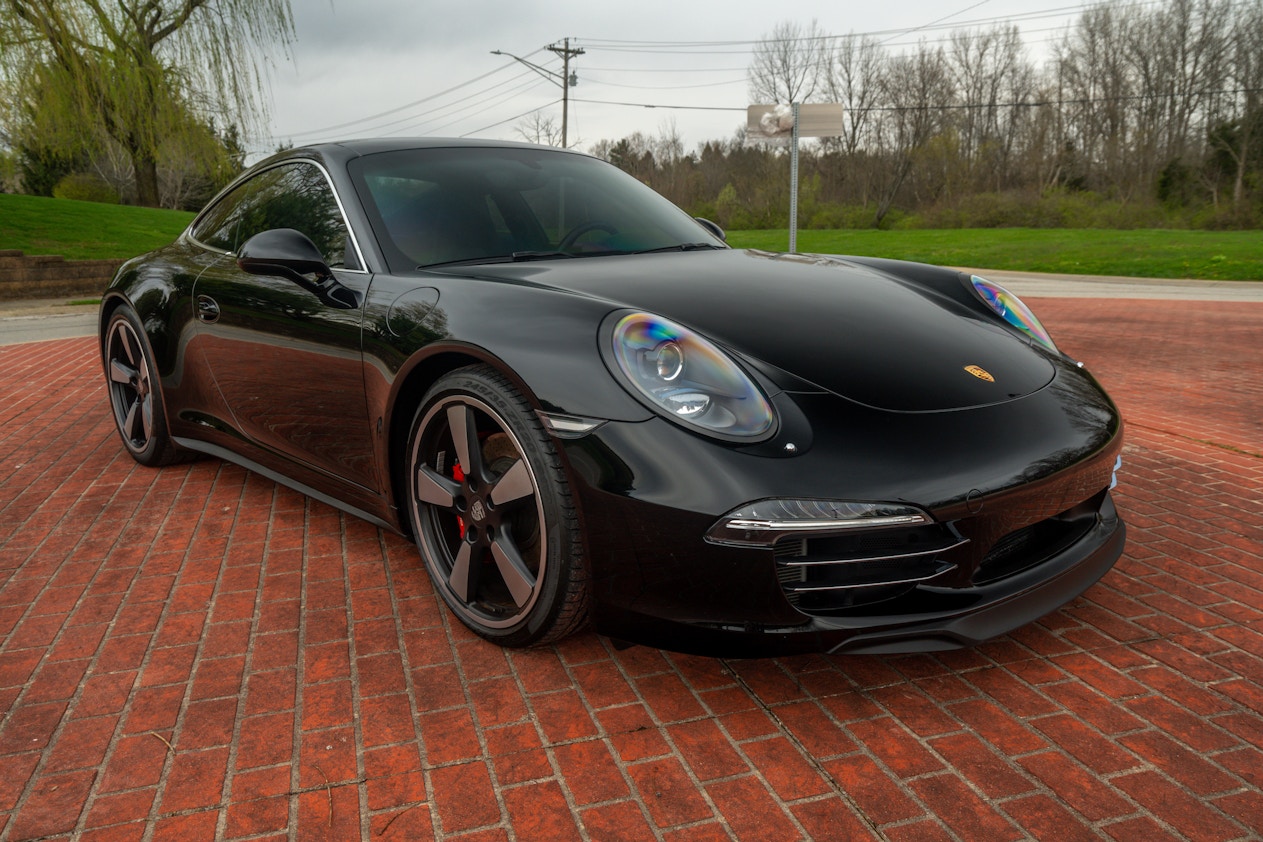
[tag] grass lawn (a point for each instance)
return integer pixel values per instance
(84, 230)
(78, 230)
(1206, 255)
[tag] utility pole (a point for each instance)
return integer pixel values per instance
(567, 82)
(566, 78)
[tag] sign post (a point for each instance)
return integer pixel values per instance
(778, 122)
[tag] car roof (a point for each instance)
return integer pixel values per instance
(345, 150)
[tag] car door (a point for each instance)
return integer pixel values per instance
(287, 363)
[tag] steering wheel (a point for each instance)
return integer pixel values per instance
(581, 229)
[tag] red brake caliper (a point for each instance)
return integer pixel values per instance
(459, 476)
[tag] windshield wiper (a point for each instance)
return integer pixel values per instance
(681, 247)
(515, 257)
(523, 256)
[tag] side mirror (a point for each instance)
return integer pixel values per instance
(291, 254)
(712, 227)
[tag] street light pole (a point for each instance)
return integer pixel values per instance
(565, 79)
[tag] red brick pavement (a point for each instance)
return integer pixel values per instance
(196, 653)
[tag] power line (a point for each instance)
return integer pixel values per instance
(655, 105)
(959, 106)
(387, 113)
(511, 119)
(436, 113)
(595, 81)
(500, 100)
(501, 90)
(616, 45)
(589, 67)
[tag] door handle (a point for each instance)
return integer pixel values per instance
(207, 309)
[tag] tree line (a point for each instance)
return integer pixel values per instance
(1145, 115)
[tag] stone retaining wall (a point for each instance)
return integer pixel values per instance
(51, 276)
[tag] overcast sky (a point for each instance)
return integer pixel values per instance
(355, 60)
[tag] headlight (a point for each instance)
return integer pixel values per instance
(688, 378)
(1012, 310)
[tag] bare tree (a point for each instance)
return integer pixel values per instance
(991, 76)
(1176, 52)
(791, 64)
(1239, 135)
(915, 89)
(855, 82)
(538, 128)
(1096, 87)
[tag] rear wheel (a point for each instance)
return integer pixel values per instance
(136, 392)
(492, 512)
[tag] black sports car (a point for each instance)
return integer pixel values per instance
(583, 405)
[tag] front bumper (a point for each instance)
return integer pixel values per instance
(926, 619)
(1037, 530)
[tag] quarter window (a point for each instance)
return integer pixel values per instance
(218, 226)
(295, 195)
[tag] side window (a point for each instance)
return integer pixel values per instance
(297, 196)
(218, 228)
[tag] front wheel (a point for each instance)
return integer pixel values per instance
(492, 512)
(136, 392)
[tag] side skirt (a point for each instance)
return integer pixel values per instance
(289, 482)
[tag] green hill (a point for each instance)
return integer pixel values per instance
(80, 230)
(85, 230)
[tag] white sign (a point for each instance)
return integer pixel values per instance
(823, 119)
(790, 122)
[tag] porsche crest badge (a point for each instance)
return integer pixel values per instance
(980, 372)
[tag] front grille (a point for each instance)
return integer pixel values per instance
(842, 574)
(826, 574)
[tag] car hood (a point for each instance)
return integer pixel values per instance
(848, 329)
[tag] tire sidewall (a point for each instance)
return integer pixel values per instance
(481, 383)
(156, 449)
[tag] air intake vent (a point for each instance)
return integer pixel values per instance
(834, 573)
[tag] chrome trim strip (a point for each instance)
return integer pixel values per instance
(827, 525)
(911, 580)
(867, 558)
(765, 532)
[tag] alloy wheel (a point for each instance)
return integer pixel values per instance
(131, 385)
(477, 503)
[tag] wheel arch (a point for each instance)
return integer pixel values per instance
(110, 302)
(412, 384)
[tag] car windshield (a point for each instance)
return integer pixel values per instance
(434, 207)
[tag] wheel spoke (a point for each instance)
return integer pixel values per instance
(121, 372)
(146, 415)
(461, 577)
(520, 580)
(436, 490)
(514, 485)
(133, 416)
(125, 339)
(460, 419)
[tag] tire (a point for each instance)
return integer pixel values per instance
(136, 392)
(492, 512)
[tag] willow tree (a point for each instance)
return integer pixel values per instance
(137, 71)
